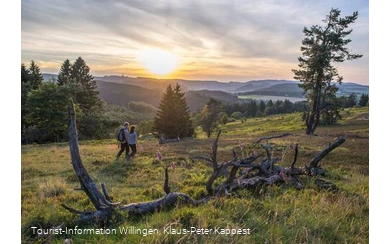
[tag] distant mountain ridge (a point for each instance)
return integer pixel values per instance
(249, 87)
(121, 90)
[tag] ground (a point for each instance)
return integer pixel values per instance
(275, 214)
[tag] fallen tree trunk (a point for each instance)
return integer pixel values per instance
(264, 172)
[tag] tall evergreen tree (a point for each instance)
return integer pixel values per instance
(184, 123)
(64, 75)
(26, 87)
(35, 77)
(173, 116)
(87, 95)
(322, 46)
(25, 74)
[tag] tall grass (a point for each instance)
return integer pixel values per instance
(275, 214)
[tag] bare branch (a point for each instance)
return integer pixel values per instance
(214, 152)
(105, 192)
(271, 137)
(314, 162)
(74, 210)
(266, 148)
(295, 157)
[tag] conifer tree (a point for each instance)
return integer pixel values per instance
(35, 76)
(173, 115)
(86, 94)
(322, 46)
(64, 75)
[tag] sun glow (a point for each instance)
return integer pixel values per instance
(158, 61)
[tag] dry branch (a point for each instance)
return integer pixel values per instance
(271, 137)
(314, 162)
(264, 172)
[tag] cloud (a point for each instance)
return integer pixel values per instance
(204, 32)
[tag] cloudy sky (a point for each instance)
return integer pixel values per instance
(214, 40)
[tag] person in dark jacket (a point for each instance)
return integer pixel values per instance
(125, 140)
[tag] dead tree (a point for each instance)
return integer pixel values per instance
(263, 172)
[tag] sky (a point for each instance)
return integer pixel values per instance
(210, 40)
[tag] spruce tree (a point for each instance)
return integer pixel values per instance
(87, 95)
(184, 124)
(64, 75)
(35, 77)
(164, 122)
(173, 115)
(25, 88)
(322, 46)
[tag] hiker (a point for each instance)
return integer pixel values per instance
(132, 141)
(123, 139)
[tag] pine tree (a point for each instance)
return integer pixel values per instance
(173, 115)
(87, 95)
(35, 77)
(322, 46)
(64, 75)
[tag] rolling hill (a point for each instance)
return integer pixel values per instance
(121, 94)
(293, 90)
(121, 90)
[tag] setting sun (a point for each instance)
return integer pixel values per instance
(157, 61)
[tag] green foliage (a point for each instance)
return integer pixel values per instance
(48, 110)
(35, 75)
(65, 74)
(322, 46)
(173, 115)
(262, 106)
(348, 102)
(145, 127)
(86, 94)
(224, 119)
(236, 115)
(331, 113)
(363, 102)
(30, 79)
(197, 119)
(210, 114)
(141, 107)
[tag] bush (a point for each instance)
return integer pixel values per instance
(236, 115)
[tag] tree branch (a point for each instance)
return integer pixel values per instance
(295, 157)
(314, 162)
(271, 137)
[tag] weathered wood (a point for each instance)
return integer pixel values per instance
(271, 137)
(295, 157)
(87, 184)
(214, 151)
(166, 201)
(314, 162)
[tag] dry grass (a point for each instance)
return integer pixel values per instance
(276, 214)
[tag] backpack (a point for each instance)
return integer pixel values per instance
(121, 135)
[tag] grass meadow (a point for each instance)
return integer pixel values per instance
(274, 214)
